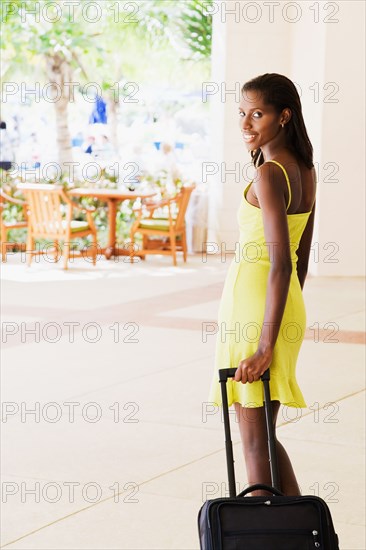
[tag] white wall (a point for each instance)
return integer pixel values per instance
(342, 205)
(314, 53)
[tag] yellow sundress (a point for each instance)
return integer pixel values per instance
(241, 312)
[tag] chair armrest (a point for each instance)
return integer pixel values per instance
(83, 209)
(150, 207)
(70, 202)
(162, 202)
(8, 198)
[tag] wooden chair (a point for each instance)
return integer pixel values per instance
(5, 226)
(170, 231)
(46, 221)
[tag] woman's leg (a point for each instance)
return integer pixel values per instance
(253, 431)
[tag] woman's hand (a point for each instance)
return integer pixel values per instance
(251, 369)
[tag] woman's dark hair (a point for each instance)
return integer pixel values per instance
(280, 91)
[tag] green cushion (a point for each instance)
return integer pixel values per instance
(76, 226)
(155, 223)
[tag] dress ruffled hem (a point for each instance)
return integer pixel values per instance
(252, 395)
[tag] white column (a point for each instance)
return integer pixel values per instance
(341, 215)
(320, 46)
(245, 44)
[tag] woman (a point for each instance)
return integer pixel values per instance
(262, 317)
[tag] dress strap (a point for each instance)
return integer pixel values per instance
(287, 180)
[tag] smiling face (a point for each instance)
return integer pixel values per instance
(260, 123)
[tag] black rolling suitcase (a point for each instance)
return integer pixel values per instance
(275, 522)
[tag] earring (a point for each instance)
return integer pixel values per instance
(282, 125)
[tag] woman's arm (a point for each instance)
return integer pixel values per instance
(270, 192)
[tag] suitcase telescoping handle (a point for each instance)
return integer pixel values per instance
(270, 431)
(224, 374)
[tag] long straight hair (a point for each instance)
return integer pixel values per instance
(280, 92)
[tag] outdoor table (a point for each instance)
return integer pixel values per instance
(112, 197)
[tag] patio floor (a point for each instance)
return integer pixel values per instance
(107, 439)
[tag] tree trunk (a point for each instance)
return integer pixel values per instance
(59, 72)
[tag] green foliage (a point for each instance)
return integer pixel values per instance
(185, 25)
(195, 27)
(108, 44)
(26, 36)
(114, 50)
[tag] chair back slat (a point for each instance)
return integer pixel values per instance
(54, 212)
(32, 206)
(42, 202)
(182, 202)
(35, 212)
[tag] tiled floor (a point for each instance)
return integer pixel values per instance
(122, 449)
